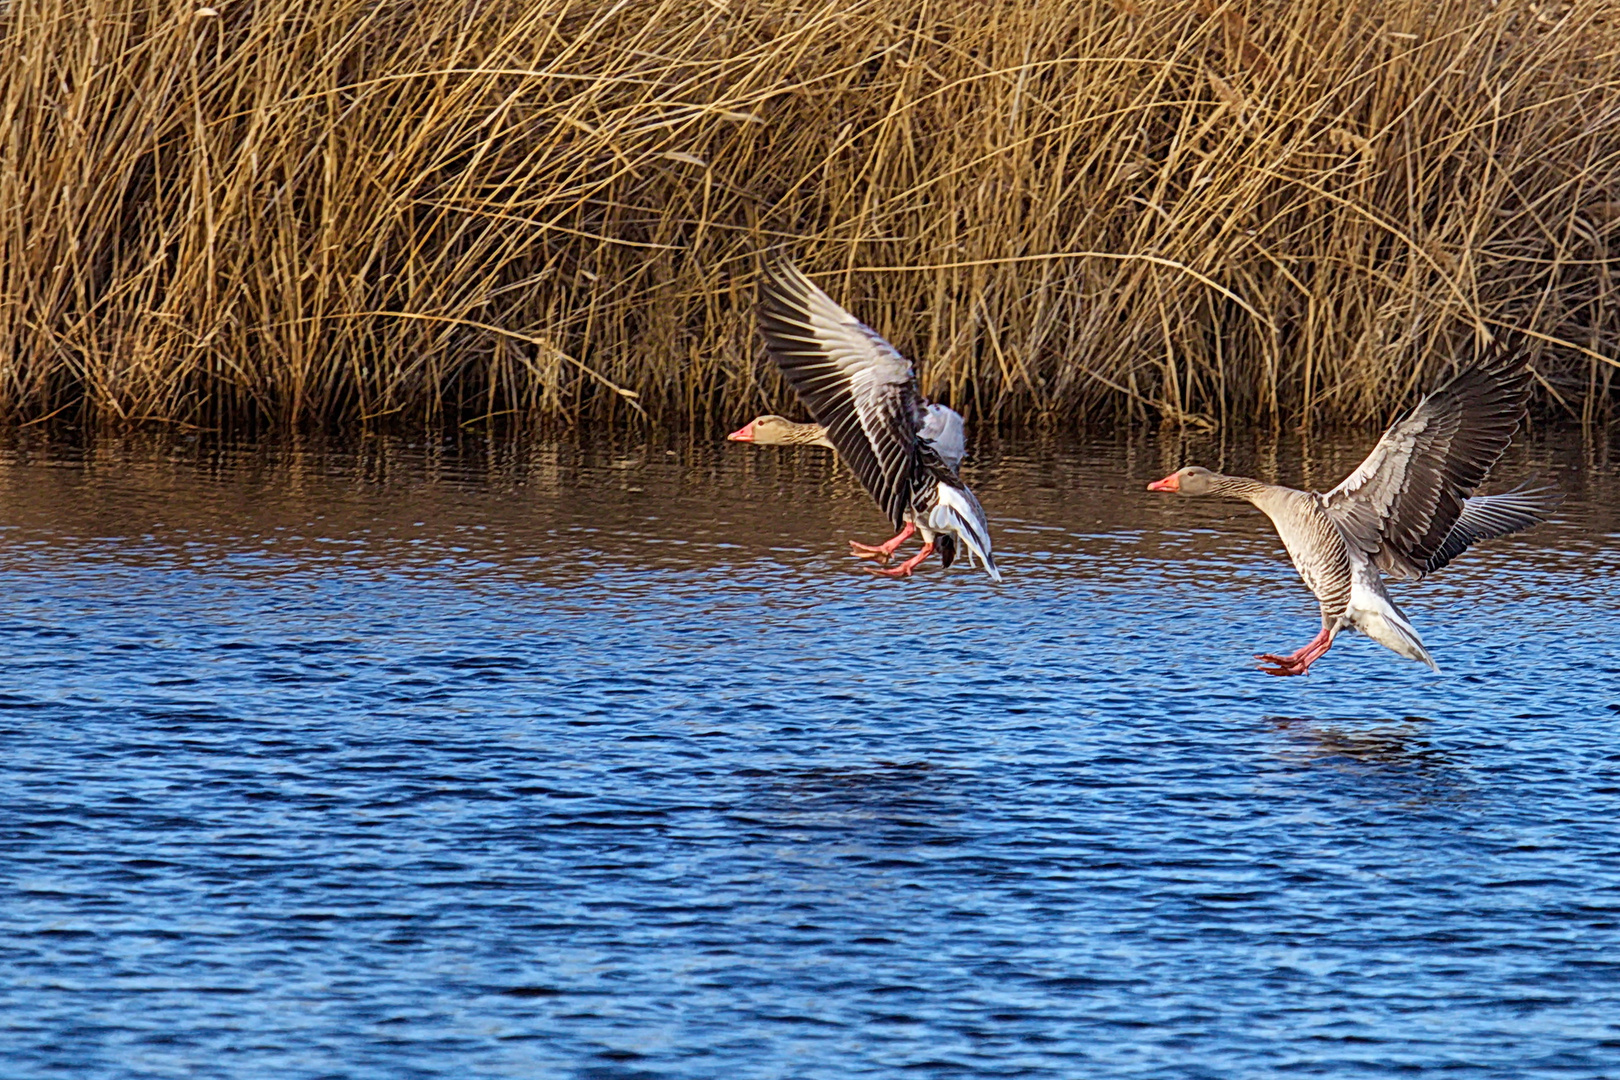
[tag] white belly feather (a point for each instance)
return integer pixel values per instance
(1373, 613)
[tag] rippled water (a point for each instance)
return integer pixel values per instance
(533, 759)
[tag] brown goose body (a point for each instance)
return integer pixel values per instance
(1406, 511)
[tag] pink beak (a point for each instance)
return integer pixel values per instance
(1169, 483)
(743, 434)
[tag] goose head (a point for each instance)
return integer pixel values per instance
(770, 430)
(1193, 480)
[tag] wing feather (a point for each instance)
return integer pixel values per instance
(1486, 517)
(1401, 504)
(854, 383)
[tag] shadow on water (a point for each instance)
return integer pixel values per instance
(1371, 741)
(885, 804)
(879, 782)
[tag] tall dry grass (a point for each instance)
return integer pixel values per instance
(323, 211)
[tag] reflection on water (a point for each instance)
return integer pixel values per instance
(1386, 755)
(1369, 741)
(529, 757)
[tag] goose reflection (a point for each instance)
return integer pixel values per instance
(884, 803)
(1393, 750)
(1373, 741)
(873, 790)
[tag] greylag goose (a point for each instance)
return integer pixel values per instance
(904, 449)
(943, 429)
(1407, 510)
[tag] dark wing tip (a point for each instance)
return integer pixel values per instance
(1488, 517)
(1543, 498)
(1489, 396)
(784, 291)
(1502, 365)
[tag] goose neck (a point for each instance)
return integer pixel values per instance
(1239, 487)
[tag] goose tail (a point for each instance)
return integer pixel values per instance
(959, 514)
(1375, 614)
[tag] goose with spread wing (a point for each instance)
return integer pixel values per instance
(904, 448)
(1407, 510)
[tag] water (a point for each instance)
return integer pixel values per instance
(533, 759)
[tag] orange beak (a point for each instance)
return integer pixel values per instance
(743, 434)
(1169, 483)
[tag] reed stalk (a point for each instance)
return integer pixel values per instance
(320, 213)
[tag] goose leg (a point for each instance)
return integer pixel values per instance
(905, 568)
(1300, 660)
(884, 551)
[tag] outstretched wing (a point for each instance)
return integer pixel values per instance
(1485, 517)
(1401, 504)
(853, 382)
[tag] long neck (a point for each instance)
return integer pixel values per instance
(805, 433)
(1241, 487)
(811, 435)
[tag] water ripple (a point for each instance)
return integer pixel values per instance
(541, 759)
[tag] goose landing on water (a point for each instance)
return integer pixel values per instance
(942, 429)
(904, 448)
(1406, 511)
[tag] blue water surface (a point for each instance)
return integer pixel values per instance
(527, 758)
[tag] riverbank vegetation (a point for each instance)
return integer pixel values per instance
(334, 212)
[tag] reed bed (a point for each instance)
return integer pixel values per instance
(321, 212)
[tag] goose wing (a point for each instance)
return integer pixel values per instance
(1402, 503)
(857, 385)
(943, 429)
(1485, 517)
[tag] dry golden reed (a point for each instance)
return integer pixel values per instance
(322, 212)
